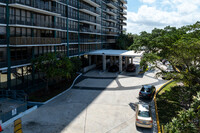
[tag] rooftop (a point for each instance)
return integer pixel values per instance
(129, 53)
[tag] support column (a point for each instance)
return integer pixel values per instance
(8, 46)
(111, 60)
(90, 60)
(104, 62)
(131, 60)
(120, 63)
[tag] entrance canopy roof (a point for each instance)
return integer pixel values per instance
(128, 53)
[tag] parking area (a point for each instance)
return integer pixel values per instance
(95, 105)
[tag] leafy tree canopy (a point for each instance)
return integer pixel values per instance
(179, 46)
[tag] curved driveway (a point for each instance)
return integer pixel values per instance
(95, 105)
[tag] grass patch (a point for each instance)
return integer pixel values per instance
(168, 87)
(42, 96)
(167, 104)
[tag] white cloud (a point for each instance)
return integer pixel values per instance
(148, 1)
(160, 14)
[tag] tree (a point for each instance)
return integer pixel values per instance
(178, 46)
(52, 67)
(76, 62)
(188, 120)
(125, 40)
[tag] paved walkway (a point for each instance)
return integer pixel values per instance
(94, 105)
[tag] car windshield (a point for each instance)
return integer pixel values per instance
(145, 89)
(144, 114)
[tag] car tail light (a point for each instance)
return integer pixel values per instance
(151, 121)
(149, 95)
(140, 93)
(137, 119)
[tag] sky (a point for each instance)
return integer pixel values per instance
(145, 15)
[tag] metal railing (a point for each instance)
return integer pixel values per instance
(3, 1)
(90, 20)
(3, 41)
(87, 40)
(2, 18)
(35, 4)
(33, 40)
(97, 1)
(84, 6)
(90, 30)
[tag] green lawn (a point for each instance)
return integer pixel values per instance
(168, 87)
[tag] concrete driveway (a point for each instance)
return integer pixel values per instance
(96, 104)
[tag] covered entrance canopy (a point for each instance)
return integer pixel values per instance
(116, 53)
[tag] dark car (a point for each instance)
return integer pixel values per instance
(147, 91)
(113, 68)
(131, 68)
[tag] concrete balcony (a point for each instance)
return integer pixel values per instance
(33, 40)
(124, 1)
(95, 3)
(3, 42)
(34, 6)
(3, 2)
(112, 4)
(89, 10)
(123, 6)
(111, 12)
(123, 23)
(123, 12)
(123, 18)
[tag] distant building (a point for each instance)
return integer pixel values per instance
(29, 28)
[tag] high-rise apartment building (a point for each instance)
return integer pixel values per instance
(29, 28)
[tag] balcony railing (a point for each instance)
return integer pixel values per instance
(111, 41)
(90, 30)
(111, 2)
(33, 40)
(85, 40)
(2, 18)
(124, 1)
(84, 6)
(3, 1)
(14, 19)
(90, 20)
(3, 41)
(111, 32)
(35, 4)
(111, 10)
(123, 6)
(97, 1)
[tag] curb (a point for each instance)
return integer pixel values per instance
(156, 109)
(42, 103)
(5, 124)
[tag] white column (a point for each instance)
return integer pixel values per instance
(111, 60)
(90, 60)
(104, 62)
(120, 63)
(131, 60)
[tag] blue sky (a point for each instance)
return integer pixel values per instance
(145, 15)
